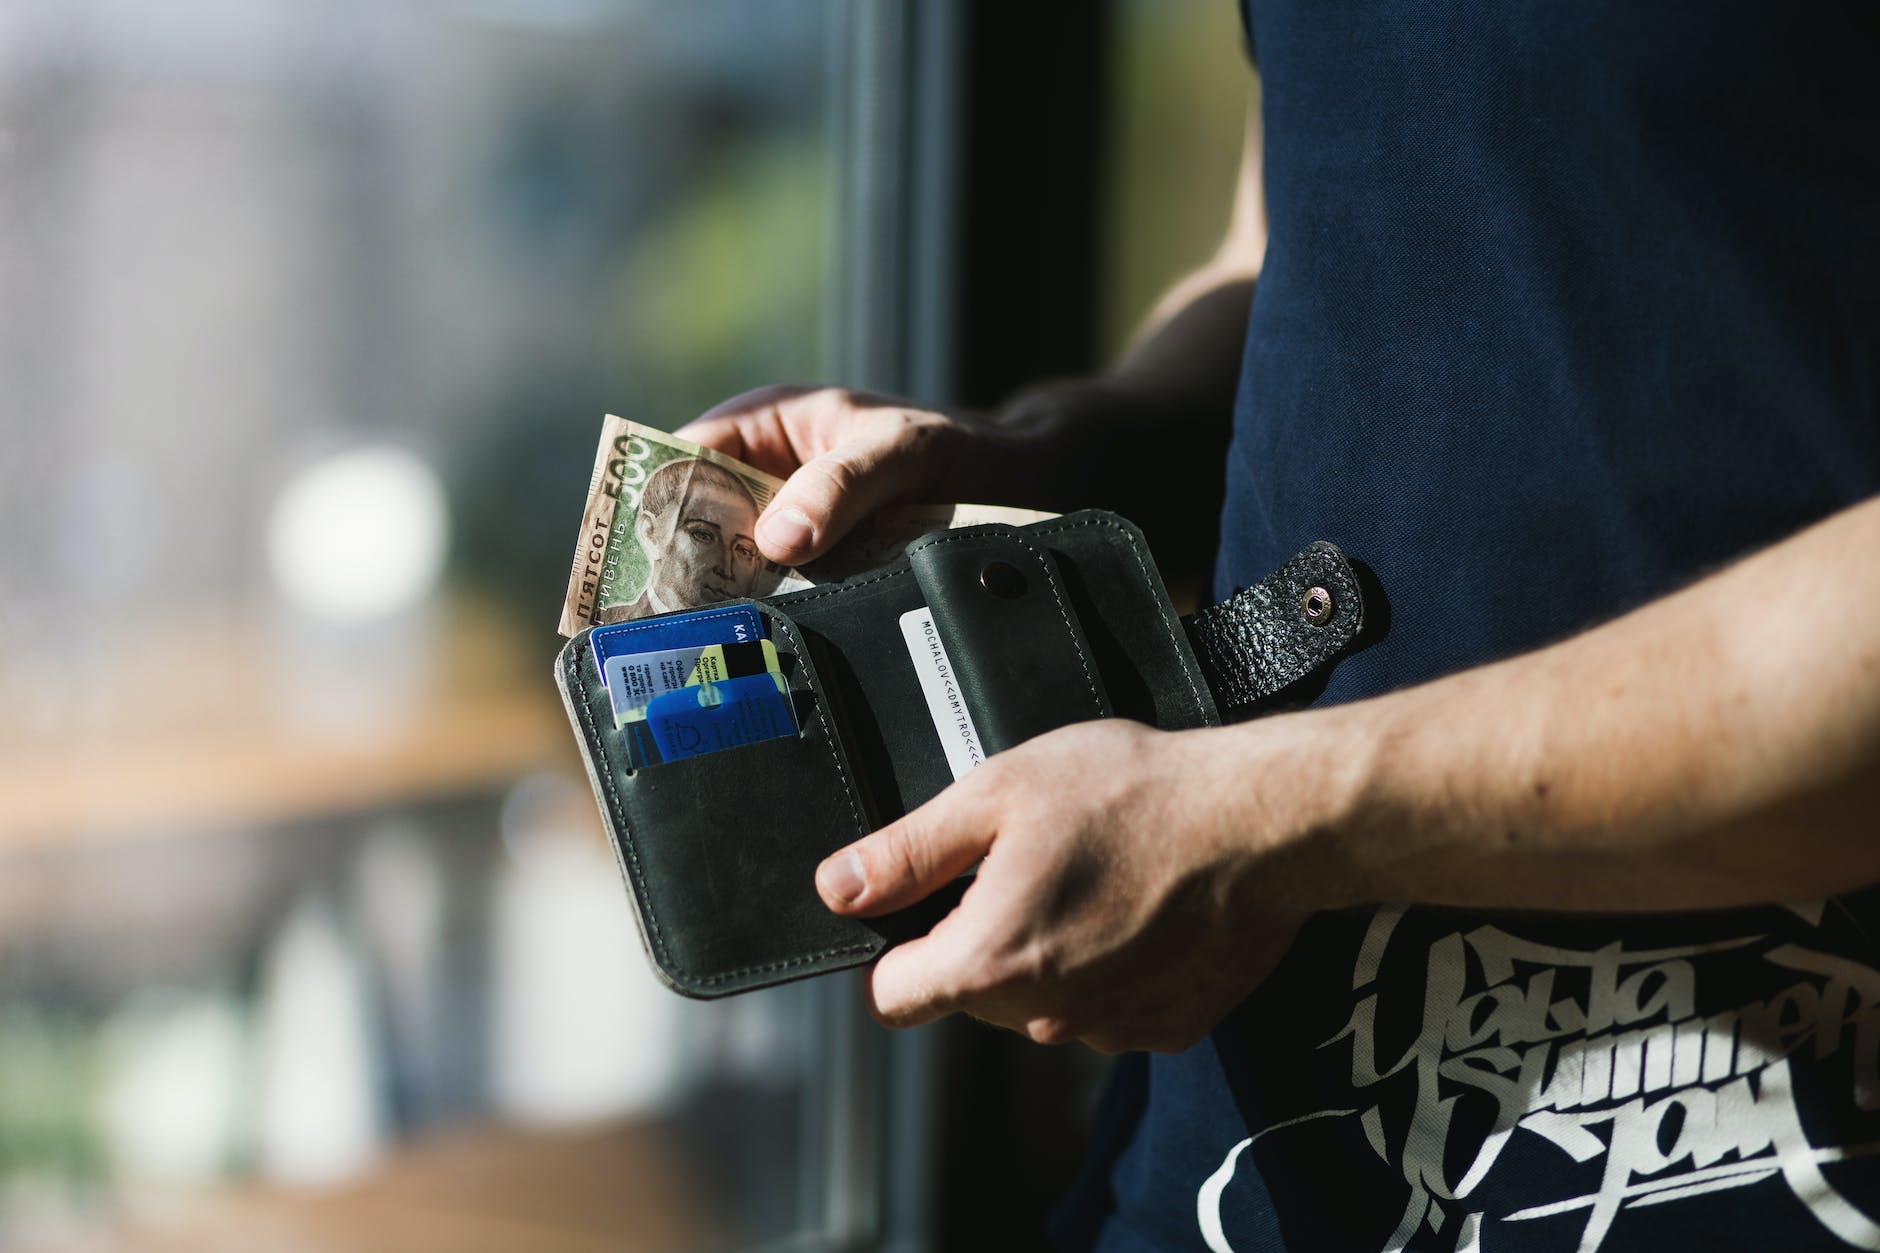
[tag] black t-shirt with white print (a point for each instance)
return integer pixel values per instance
(1564, 306)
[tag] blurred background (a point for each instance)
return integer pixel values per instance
(309, 312)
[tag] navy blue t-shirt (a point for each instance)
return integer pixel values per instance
(1565, 305)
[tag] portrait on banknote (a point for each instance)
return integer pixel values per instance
(696, 536)
(668, 526)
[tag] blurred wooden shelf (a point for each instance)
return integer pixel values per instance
(612, 1190)
(221, 723)
(216, 782)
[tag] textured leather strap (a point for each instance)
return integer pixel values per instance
(1258, 646)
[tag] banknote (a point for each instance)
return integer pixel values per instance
(670, 525)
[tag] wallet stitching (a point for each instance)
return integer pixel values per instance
(1050, 581)
(829, 734)
(1057, 597)
(788, 963)
(1142, 567)
(806, 597)
(620, 815)
(626, 628)
(645, 900)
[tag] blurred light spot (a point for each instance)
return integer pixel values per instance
(171, 1082)
(399, 889)
(359, 535)
(401, 900)
(319, 1119)
(574, 1039)
(109, 527)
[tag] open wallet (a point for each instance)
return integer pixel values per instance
(890, 684)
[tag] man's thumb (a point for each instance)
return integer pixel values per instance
(830, 493)
(905, 860)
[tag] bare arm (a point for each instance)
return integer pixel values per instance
(1129, 438)
(1718, 747)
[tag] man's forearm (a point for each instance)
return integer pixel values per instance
(1719, 747)
(1149, 436)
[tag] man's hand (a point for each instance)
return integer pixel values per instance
(1118, 902)
(843, 453)
(1714, 749)
(1062, 444)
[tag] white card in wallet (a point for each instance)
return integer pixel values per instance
(958, 737)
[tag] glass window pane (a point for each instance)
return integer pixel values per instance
(309, 313)
(1181, 82)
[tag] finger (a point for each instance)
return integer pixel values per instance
(954, 969)
(725, 435)
(844, 453)
(916, 982)
(882, 459)
(1049, 1029)
(774, 428)
(910, 858)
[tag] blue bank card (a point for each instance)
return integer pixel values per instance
(725, 624)
(710, 717)
(641, 750)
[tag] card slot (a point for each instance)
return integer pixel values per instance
(767, 713)
(727, 844)
(1010, 631)
(873, 691)
(1134, 634)
(719, 850)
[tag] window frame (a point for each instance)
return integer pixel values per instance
(964, 232)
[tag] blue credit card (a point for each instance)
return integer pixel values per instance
(725, 624)
(641, 750)
(632, 681)
(711, 717)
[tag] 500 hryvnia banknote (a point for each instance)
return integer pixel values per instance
(670, 525)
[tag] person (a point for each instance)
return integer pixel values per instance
(696, 526)
(1568, 324)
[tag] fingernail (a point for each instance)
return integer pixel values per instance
(840, 878)
(786, 529)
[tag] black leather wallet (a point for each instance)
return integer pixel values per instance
(1044, 625)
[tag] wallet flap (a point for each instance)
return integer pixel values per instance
(1116, 619)
(1020, 656)
(1148, 671)
(1263, 648)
